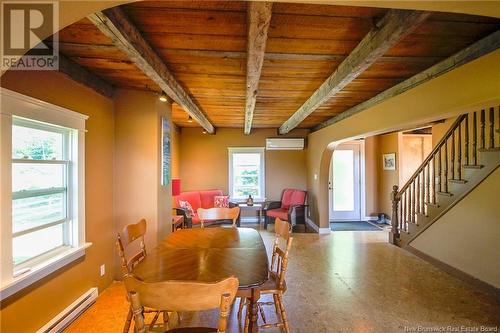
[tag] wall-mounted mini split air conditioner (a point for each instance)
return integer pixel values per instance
(285, 144)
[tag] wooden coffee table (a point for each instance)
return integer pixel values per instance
(208, 255)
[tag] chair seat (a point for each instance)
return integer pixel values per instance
(280, 213)
(271, 286)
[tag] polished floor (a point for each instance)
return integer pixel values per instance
(345, 282)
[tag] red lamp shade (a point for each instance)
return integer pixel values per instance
(176, 186)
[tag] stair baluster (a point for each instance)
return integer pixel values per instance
(459, 155)
(452, 155)
(482, 133)
(408, 212)
(466, 140)
(474, 137)
(440, 173)
(492, 129)
(434, 180)
(417, 195)
(428, 186)
(445, 167)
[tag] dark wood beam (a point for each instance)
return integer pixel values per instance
(115, 25)
(474, 51)
(258, 20)
(387, 32)
(85, 77)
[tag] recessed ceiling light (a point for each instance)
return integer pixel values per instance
(163, 97)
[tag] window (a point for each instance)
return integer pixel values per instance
(40, 192)
(42, 189)
(246, 173)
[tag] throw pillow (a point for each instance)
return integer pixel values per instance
(221, 201)
(187, 207)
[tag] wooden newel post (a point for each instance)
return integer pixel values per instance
(394, 235)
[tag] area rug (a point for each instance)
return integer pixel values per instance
(354, 226)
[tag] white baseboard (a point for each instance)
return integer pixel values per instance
(325, 231)
(321, 231)
(68, 315)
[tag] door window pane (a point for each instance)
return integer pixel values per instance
(34, 176)
(36, 243)
(343, 178)
(36, 144)
(35, 211)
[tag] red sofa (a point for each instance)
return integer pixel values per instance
(198, 199)
(290, 208)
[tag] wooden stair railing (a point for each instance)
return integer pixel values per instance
(444, 165)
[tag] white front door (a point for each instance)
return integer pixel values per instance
(345, 189)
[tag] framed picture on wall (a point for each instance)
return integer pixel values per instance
(389, 161)
(165, 151)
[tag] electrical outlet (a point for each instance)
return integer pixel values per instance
(103, 270)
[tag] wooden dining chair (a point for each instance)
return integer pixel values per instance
(218, 214)
(132, 234)
(276, 284)
(181, 296)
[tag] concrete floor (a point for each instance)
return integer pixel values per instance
(344, 282)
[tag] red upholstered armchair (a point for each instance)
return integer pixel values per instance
(291, 208)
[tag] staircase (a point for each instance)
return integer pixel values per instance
(468, 152)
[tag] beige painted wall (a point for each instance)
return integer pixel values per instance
(439, 130)
(34, 307)
(138, 190)
(176, 152)
(387, 143)
(431, 101)
(204, 160)
(371, 175)
(414, 149)
(468, 232)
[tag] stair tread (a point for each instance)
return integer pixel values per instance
(432, 204)
(448, 194)
(473, 166)
(457, 181)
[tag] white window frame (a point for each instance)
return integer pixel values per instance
(15, 105)
(262, 174)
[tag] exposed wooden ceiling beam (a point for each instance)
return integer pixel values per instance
(258, 20)
(83, 76)
(474, 51)
(385, 34)
(116, 26)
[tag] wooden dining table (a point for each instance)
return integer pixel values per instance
(209, 255)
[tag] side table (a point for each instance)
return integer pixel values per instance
(256, 207)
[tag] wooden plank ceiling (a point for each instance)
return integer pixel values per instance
(203, 43)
